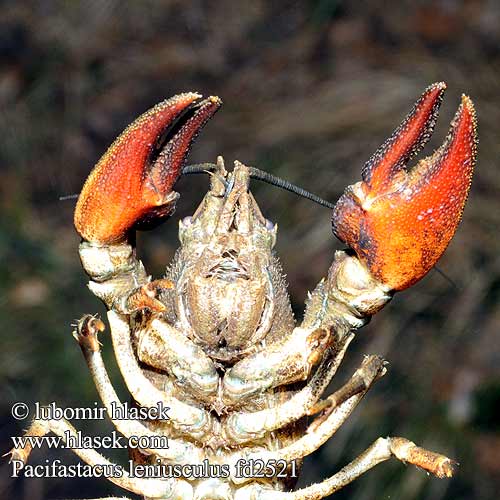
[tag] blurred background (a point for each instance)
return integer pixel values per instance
(310, 90)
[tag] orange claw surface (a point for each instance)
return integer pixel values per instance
(399, 221)
(131, 185)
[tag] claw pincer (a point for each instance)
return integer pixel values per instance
(399, 221)
(131, 185)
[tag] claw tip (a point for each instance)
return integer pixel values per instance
(215, 100)
(440, 85)
(467, 103)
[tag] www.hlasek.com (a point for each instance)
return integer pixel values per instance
(77, 441)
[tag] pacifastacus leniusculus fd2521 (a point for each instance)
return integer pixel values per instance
(215, 340)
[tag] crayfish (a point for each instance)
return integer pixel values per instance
(215, 340)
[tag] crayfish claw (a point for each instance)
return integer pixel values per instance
(398, 221)
(131, 185)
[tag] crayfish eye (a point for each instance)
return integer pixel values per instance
(270, 225)
(187, 221)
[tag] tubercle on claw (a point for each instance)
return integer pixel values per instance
(398, 221)
(131, 185)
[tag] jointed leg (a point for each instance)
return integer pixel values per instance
(381, 450)
(119, 279)
(241, 427)
(371, 369)
(164, 347)
(278, 364)
(173, 489)
(195, 422)
(86, 335)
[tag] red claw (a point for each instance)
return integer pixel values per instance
(398, 221)
(131, 185)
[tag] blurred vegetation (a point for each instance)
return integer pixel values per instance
(311, 89)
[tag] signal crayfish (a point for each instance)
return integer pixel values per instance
(215, 340)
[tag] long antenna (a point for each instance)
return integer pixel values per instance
(199, 168)
(68, 197)
(263, 176)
